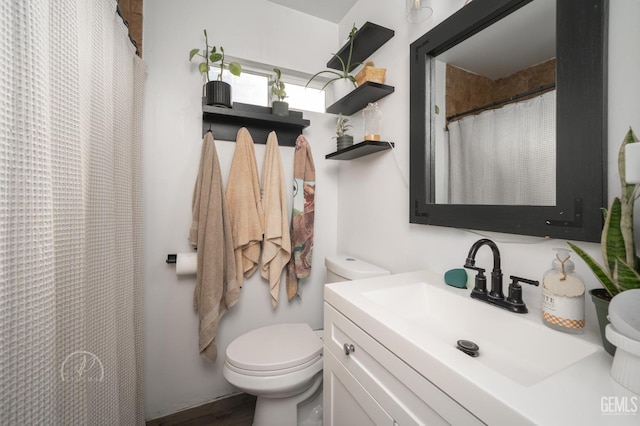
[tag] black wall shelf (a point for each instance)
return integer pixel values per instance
(225, 123)
(359, 150)
(367, 40)
(359, 98)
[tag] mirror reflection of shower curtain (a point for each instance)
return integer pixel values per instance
(505, 156)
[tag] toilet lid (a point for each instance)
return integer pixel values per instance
(275, 347)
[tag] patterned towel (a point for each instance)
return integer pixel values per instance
(304, 188)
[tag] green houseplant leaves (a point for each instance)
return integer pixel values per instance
(346, 66)
(210, 56)
(622, 267)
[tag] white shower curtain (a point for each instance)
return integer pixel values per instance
(70, 217)
(505, 155)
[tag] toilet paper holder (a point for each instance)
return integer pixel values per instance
(172, 258)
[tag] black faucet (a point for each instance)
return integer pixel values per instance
(514, 302)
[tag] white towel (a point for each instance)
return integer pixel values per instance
(276, 248)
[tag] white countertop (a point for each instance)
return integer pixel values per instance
(584, 393)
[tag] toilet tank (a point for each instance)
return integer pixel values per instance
(347, 268)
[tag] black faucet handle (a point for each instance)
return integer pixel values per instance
(480, 286)
(475, 268)
(515, 280)
(515, 293)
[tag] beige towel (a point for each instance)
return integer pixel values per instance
(216, 285)
(276, 249)
(244, 206)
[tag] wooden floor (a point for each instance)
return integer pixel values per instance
(235, 410)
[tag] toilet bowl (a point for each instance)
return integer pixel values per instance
(281, 364)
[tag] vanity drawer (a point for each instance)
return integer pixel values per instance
(408, 397)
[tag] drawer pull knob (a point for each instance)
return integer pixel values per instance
(348, 348)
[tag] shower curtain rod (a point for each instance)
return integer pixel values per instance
(540, 89)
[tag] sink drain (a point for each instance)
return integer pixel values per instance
(468, 347)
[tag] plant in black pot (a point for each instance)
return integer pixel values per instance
(278, 106)
(216, 92)
(621, 269)
(343, 139)
(340, 80)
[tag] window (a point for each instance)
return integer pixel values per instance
(248, 88)
(252, 87)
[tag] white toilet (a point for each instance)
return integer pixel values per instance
(282, 364)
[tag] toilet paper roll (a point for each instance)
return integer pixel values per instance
(187, 264)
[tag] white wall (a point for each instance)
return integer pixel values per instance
(373, 202)
(372, 221)
(175, 375)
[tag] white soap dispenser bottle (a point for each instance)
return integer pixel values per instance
(563, 295)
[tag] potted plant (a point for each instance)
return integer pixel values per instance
(621, 270)
(343, 139)
(216, 92)
(278, 106)
(342, 82)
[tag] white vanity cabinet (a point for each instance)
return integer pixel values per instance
(366, 384)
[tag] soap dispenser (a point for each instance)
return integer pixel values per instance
(563, 295)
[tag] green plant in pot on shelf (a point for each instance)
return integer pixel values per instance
(621, 270)
(343, 139)
(341, 81)
(216, 92)
(278, 105)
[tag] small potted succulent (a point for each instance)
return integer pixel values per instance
(341, 81)
(621, 269)
(278, 105)
(342, 127)
(216, 92)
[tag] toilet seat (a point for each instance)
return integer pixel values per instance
(274, 350)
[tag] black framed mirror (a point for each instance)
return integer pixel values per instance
(580, 125)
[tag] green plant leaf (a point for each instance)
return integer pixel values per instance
(345, 71)
(612, 243)
(324, 72)
(278, 73)
(235, 68)
(627, 200)
(627, 278)
(330, 81)
(193, 53)
(215, 57)
(203, 68)
(600, 273)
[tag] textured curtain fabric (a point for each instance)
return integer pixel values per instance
(505, 155)
(70, 215)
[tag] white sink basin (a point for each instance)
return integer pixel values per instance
(518, 348)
